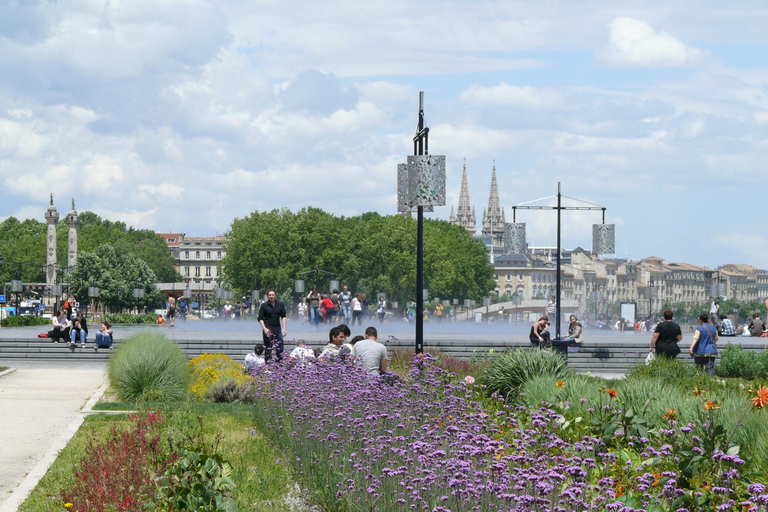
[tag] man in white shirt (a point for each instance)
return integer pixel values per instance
(254, 359)
(372, 353)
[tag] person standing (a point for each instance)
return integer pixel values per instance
(365, 305)
(411, 310)
(439, 312)
(357, 309)
(345, 297)
(381, 309)
(183, 308)
(714, 311)
(551, 309)
(313, 300)
(703, 346)
(273, 318)
(666, 337)
(172, 310)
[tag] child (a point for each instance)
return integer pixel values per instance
(255, 359)
(302, 353)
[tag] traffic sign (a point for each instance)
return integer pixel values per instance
(2, 298)
(194, 304)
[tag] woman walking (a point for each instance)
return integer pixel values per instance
(703, 346)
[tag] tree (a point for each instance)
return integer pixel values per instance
(370, 253)
(116, 274)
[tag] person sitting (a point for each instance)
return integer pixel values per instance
(756, 326)
(255, 359)
(104, 337)
(726, 326)
(745, 331)
(539, 335)
(336, 339)
(346, 349)
(61, 327)
(79, 330)
(372, 353)
(302, 353)
(574, 331)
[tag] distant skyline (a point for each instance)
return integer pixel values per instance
(183, 115)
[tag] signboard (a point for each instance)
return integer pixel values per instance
(2, 298)
(194, 304)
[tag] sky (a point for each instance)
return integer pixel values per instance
(180, 116)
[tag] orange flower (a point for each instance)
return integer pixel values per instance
(612, 393)
(698, 392)
(711, 405)
(761, 397)
(670, 415)
(560, 384)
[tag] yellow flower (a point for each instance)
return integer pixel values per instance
(490, 351)
(68, 505)
(698, 392)
(711, 405)
(589, 373)
(560, 384)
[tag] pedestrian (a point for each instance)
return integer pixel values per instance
(411, 310)
(714, 311)
(703, 346)
(328, 308)
(551, 310)
(273, 318)
(381, 309)
(302, 308)
(666, 337)
(238, 310)
(172, 310)
(313, 300)
(365, 306)
(756, 326)
(539, 334)
(439, 312)
(345, 299)
(357, 309)
(183, 308)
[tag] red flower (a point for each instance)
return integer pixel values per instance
(761, 397)
(612, 393)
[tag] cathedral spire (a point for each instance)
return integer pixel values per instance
(465, 214)
(493, 216)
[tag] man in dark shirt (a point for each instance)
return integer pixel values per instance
(666, 337)
(273, 318)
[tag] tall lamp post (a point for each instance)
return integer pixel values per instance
(420, 184)
(559, 208)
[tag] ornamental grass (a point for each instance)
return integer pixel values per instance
(437, 443)
(149, 367)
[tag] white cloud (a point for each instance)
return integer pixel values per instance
(635, 43)
(505, 95)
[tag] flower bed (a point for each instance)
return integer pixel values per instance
(434, 444)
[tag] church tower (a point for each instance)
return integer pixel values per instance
(466, 214)
(72, 222)
(52, 217)
(493, 217)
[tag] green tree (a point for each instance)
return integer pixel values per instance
(370, 253)
(116, 274)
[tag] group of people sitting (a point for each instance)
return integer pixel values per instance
(541, 338)
(72, 331)
(366, 349)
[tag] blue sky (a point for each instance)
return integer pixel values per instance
(182, 115)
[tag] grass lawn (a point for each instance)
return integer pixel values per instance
(263, 479)
(3, 368)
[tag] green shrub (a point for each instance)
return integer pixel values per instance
(126, 318)
(664, 368)
(24, 321)
(737, 362)
(230, 391)
(149, 367)
(516, 367)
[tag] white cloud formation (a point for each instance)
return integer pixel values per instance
(505, 95)
(635, 43)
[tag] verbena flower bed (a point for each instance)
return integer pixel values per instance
(436, 444)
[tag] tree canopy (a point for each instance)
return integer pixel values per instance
(116, 273)
(370, 253)
(25, 242)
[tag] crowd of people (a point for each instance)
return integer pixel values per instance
(74, 329)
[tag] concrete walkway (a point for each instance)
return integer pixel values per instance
(40, 410)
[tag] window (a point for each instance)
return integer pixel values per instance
(186, 271)
(508, 290)
(171, 240)
(197, 271)
(520, 277)
(186, 255)
(197, 255)
(218, 256)
(208, 255)
(509, 277)
(207, 271)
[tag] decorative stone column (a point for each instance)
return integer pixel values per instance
(52, 217)
(72, 221)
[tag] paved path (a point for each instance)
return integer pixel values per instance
(40, 409)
